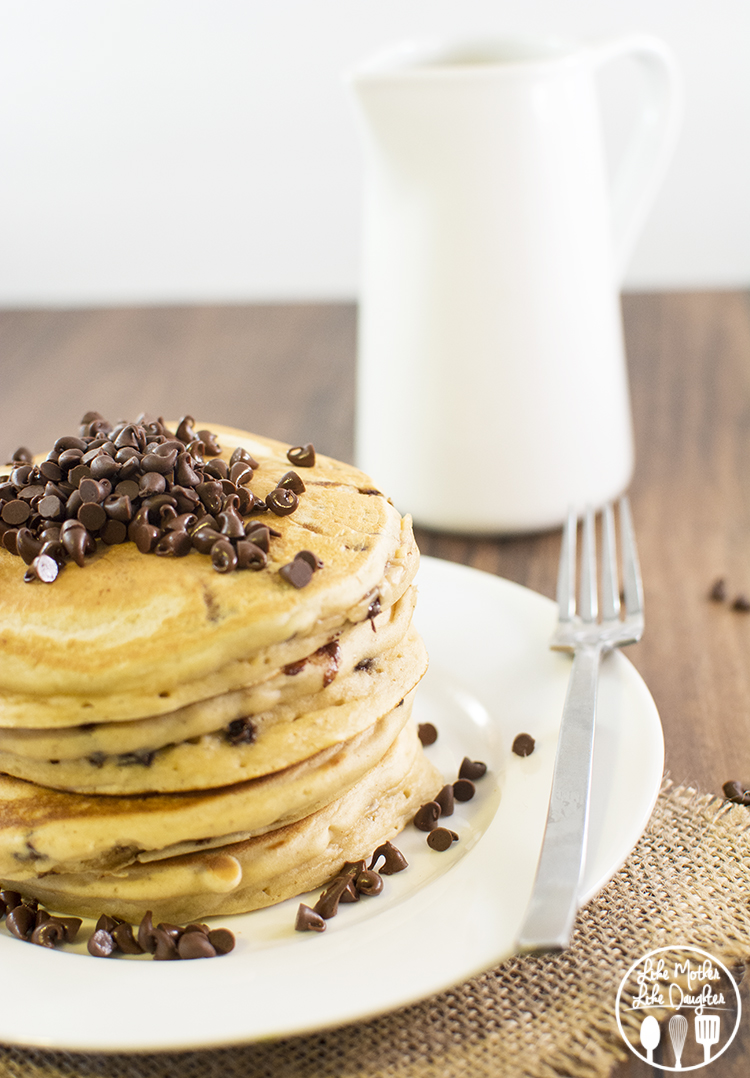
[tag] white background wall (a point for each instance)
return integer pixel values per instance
(189, 150)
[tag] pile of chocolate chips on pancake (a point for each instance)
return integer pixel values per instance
(181, 738)
(169, 493)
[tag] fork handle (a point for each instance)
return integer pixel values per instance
(554, 900)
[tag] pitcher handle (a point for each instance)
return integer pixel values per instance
(652, 143)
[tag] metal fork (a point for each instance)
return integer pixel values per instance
(554, 900)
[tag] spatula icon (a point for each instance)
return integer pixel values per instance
(650, 1036)
(678, 1027)
(707, 1033)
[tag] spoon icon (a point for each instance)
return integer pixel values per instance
(650, 1036)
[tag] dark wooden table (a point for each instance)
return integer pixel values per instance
(288, 371)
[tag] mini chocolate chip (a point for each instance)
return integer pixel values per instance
(21, 921)
(328, 903)
(523, 745)
(101, 944)
(195, 945)
(43, 568)
(280, 501)
(90, 490)
(175, 544)
(221, 939)
(173, 931)
(10, 899)
(185, 432)
(445, 799)
(145, 537)
(303, 456)
(104, 467)
(223, 556)
(166, 948)
(369, 882)
(312, 559)
(741, 603)
(77, 541)
(291, 481)
(365, 664)
(151, 483)
(240, 732)
(250, 556)
(441, 839)
(230, 523)
(163, 464)
(113, 532)
(259, 534)
(92, 516)
(69, 926)
(127, 488)
(203, 538)
(217, 469)
(464, 790)
(240, 473)
(22, 455)
(373, 610)
(27, 545)
(240, 454)
(31, 493)
(15, 512)
(292, 669)
(298, 572)
(147, 933)
(427, 816)
(210, 493)
(50, 471)
(718, 590)
(49, 933)
(427, 733)
(213, 449)
(78, 474)
(393, 860)
(9, 539)
(126, 942)
(471, 769)
(308, 920)
(736, 792)
(50, 507)
(69, 458)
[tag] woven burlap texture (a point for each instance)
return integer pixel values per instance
(687, 881)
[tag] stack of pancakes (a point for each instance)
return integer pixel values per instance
(195, 743)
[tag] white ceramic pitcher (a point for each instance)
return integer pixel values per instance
(492, 389)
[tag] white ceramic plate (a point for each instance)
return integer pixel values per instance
(447, 917)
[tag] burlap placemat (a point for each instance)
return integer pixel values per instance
(687, 881)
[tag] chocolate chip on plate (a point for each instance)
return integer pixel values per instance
(427, 816)
(308, 920)
(464, 789)
(441, 839)
(427, 733)
(472, 769)
(523, 745)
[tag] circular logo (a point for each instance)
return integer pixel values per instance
(678, 1008)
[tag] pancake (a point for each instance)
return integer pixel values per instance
(126, 622)
(44, 830)
(288, 688)
(261, 871)
(274, 740)
(180, 739)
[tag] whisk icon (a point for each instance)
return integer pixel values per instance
(678, 1027)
